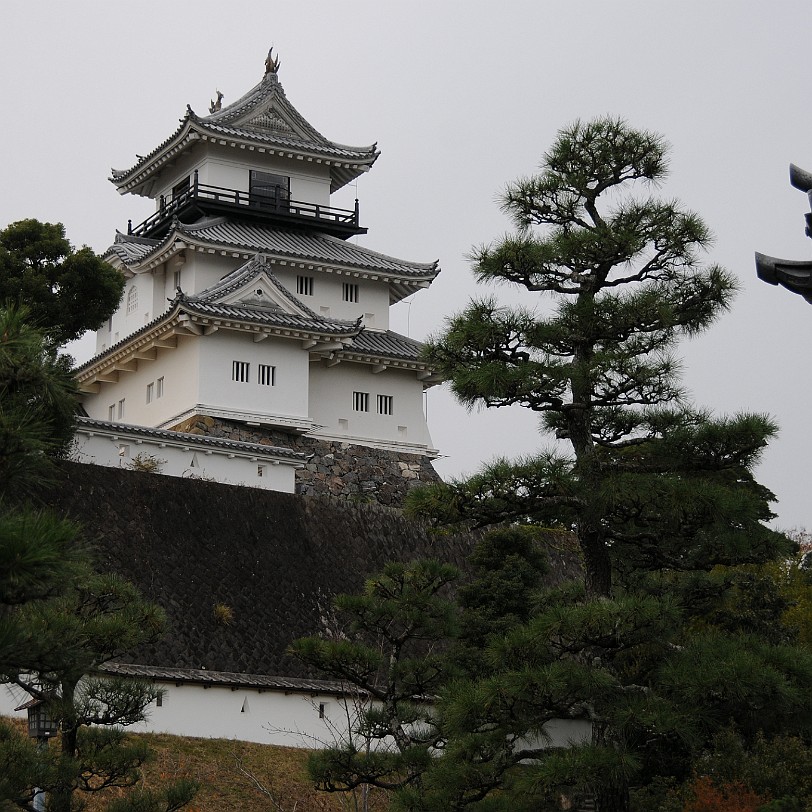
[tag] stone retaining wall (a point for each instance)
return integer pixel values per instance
(349, 471)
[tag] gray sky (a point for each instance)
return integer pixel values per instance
(461, 98)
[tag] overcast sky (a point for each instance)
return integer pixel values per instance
(461, 98)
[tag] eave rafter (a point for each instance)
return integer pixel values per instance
(127, 358)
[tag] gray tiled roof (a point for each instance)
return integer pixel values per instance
(197, 439)
(269, 316)
(310, 247)
(130, 249)
(209, 305)
(244, 274)
(264, 116)
(231, 679)
(386, 345)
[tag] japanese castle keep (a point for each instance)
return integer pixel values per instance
(252, 342)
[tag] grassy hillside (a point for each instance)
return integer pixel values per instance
(238, 776)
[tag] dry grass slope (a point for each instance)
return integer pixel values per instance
(237, 776)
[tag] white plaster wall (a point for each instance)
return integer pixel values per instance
(180, 368)
(229, 168)
(217, 712)
(121, 324)
(183, 167)
(373, 299)
(122, 451)
(130, 322)
(288, 397)
(203, 269)
(159, 292)
(104, 335)
(270, 717)
(331, 401)
(328, 291)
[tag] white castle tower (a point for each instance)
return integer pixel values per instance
(248, 318)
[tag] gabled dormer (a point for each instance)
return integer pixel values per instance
(255, 160)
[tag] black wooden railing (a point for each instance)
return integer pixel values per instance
(206, 197)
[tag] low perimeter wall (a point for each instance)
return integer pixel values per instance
(332, 468)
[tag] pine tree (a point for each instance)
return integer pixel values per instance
(657, 492)
(647, 481)
(386, 652)
(59, 620)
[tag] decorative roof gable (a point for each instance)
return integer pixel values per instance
(263, 118)
(255, 285)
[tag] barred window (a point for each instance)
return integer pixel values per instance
(385, 403)
(360, 401)
(350, 292)
(304, 285)
(132, 300)
(239, 371)
(266, 375)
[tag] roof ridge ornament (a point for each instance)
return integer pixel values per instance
(272, 63)
(216, 106)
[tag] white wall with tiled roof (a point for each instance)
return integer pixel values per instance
(310, 389)
(179, 369)
(287, 396)
(332, 399)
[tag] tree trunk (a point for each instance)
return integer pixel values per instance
(62, 795)
(597, 564)
(612, 799)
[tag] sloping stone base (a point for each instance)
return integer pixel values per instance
(354, 472)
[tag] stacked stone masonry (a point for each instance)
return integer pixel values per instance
(353, 472)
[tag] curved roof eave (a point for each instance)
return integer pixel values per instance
(403, 282)
(346, 162)
(171, 324)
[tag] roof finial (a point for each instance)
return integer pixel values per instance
(215, 106)
(272, 63)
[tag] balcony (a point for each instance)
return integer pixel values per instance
(268, 208)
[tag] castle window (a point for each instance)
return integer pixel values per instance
(176, 280)
(239, 371)
(266, 375)
(110, 325)
(322, 710)
(260, 470)
(159, 387)
(385, 403)
(121, 409)
(111, 413)
(150, 392)
(132, 300)
(360, 401)
(268, 190)
(350, 292)
(304, 285)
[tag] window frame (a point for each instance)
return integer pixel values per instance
(385, 405)
(304, 285)
(350, 292)
(266, 375)
(241, 371)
